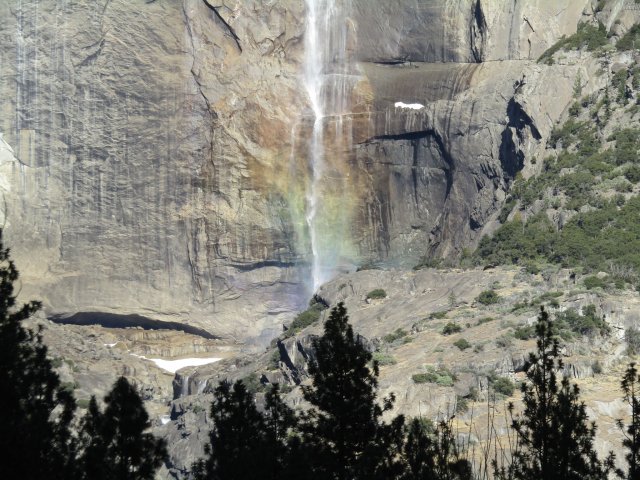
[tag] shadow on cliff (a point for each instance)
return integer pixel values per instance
(114, 320)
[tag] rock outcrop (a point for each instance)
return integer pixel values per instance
(154, 156)
(146, 141)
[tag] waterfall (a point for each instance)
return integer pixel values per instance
(185, 386)
(329, 80)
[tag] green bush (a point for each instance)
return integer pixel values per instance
(440, 376)
(524, 332)
(547, 297)
(438, 315)
(585, 323)
(384, 358)
(520, 306)
(304, 319)
(503, 386)
(632, 173)
(635, 84)
(451, 328)
(577, 184)
(630, 40)
(422, 378)
(595, 282)
(506, 210)
(462, 404)
(253, 383)
(626, 147)
(619, 81)
(568, 133)
(596, 367)
(376, 294)
(274, 359)
(588, 36)
(488, 297)
(462, 344)
(574, 109)
(485, 320)
(445, 381)
(505, 341)
(398, 334)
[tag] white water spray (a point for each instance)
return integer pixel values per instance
(329, 82)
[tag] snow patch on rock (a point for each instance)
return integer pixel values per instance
(412, 106)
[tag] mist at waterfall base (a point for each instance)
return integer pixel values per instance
(329, 78)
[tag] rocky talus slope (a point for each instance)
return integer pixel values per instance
(434, 369)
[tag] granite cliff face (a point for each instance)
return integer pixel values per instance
(155, 154)
(141, 137)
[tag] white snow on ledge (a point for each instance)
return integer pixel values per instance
(173, 366)
(412, 106)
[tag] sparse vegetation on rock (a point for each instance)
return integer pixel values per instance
(502, 385)
(488, 297)
(462, 344)
(440, 376)
(588, 36)
(396, 335)
(450, 328)
(376, 294)
(310, 316)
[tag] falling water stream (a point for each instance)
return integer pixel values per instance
(313, 83)
(329, 81)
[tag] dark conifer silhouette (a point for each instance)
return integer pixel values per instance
(35, 412)
(246, 443)
(238, 442)
(554, 436)
(432, 454)
(116, 446)
(344, 429)
(630, 385)
(94, 449)
(279, 422)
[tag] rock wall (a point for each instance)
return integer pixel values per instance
(147, 139)
(153, 157)
(440, 172)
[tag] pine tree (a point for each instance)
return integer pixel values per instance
(35, 411)
(279, 422)
(630, 386)
(344, 429)
(115, 445)
(246, 443)
(432, 454)
(237, 443)
(92, 461)
(554, 436)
